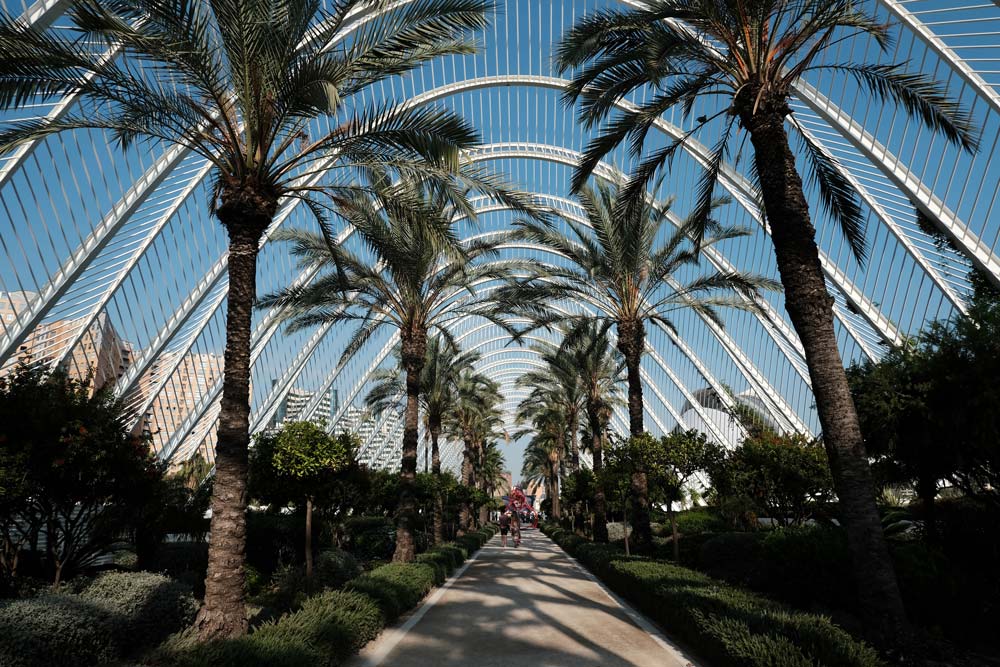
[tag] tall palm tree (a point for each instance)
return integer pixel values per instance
(491, 468)
(559, 383)
(600, 367)
(247, 86)
(619, 268)
(417, 284)
(473, 418)
(747, 55)
(540, 465)
(438, 379)
(547, 415)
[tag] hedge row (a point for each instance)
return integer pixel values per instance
(116, 615)
(330, 627)
(727, 625)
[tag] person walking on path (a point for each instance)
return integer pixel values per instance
(504, 527)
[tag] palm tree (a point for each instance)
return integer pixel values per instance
(540, 465)
(247, 86)
(548, 418)
(438, 378)
(416, 285)
(600, 368)
(491, 468)
(748, 55)
(618, 268)
(558, 383)
(473, 418)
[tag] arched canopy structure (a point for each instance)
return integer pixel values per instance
(111, 260)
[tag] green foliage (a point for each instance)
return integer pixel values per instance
(335, 567)
(325, 631)
(327, 628)
(67, 462)
(297, 461)
(116, 615)
(939, 387)
(700, 520)
(395, 587)
(727, 625)
(782, 477)
(57, 629)
(149, 606)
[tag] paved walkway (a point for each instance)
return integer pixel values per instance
(525, 607)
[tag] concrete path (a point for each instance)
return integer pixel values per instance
(525, 607)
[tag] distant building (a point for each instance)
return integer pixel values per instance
(100, 356)
(180, 394)
(722, 417)
(381, 438)
(295, 402)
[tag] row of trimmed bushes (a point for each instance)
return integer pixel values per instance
(333, 625)
(728, 626)
(116, 615)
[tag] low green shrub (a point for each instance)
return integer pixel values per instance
(395, 587)
(698, 520)
(336, 622)
(727, 625)
(735, 557)
(184, 561)
(439, 562)
(375, 544)
(335, 567)
(149, 607)
(58, 629)
(115, 615)
(473, 540)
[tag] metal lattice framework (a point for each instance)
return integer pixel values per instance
(111, 259)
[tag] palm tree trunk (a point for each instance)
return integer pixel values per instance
(553, 483)
(465, 513)
(434, 424)
(414, 344)
(309, 537)
(223, 612)
(597, 448)
(574, 440)
(631, 342)
(810, 308)
(481, 482)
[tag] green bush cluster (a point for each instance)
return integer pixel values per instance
(329, 627)
(116, 615)
(395, 587)
(728, 626)
(471, 541)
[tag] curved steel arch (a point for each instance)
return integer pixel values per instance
(47, 10)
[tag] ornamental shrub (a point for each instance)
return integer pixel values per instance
(729, 626)
(58, 629)
(149, 607)
(335, 567)
(338, 623)
(115, 615)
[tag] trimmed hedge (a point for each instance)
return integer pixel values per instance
(727, 625)
(116, 615)
(395, 587)
(330, 627)
(326, 630)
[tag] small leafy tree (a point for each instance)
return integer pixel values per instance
(299, 461)
(69, 468)
(782, 476)
(675, 461)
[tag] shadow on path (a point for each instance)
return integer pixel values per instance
(528, 606)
